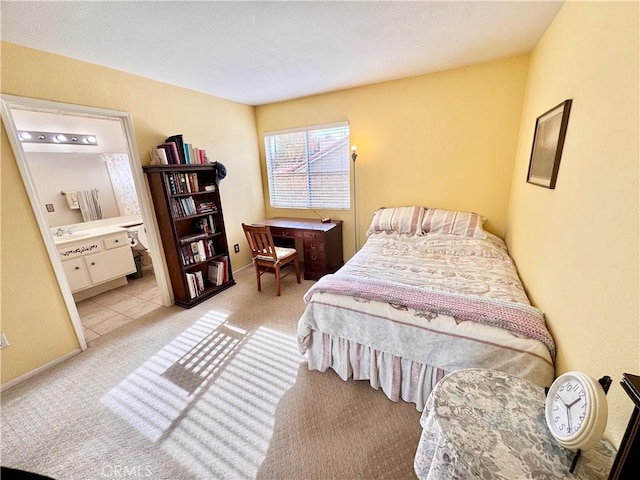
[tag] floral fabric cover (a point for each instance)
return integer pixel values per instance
(485, 424)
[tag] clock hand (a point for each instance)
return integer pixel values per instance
(562, 400)
(573, 403)
(569, 429)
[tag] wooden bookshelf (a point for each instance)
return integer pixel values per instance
(187, 204)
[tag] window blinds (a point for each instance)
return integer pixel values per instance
(309, 168)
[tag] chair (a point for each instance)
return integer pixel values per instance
(267, 257)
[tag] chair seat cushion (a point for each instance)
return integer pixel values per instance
(281, 252)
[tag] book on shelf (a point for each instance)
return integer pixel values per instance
(195, 283)
(206, 207)
(192, 285)
(178, 141)
(171, 152)
(205, 225)
(196, 251)
(218, 271)
(181, 183)
(158, 156)
(183, 207)
(174, 150)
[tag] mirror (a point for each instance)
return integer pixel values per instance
(78, 183)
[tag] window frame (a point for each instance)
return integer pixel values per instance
(320, 196)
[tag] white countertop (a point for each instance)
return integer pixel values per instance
(88, 230)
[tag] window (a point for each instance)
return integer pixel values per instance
(309, 168)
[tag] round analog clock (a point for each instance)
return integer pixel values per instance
(576, 410)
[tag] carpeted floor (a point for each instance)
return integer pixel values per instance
(219, 391)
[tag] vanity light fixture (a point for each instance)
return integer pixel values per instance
(60, 138)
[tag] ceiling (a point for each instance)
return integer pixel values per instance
(262, 52)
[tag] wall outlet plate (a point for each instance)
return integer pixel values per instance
(236, 248)
(3, 341)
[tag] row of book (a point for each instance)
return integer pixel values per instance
(180, 183)
(217, 274)
(196, 251)
(205, 225)
(218, 271)
(175, 151)
(183, 207)
(195, 283)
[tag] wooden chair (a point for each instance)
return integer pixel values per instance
(267, 257)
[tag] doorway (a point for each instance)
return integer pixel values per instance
(42, 162)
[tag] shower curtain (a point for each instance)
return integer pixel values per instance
(122, 181)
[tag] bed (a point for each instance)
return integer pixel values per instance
(430, 292)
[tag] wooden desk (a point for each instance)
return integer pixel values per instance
(321, 242)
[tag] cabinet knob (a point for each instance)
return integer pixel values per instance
(77, 268)
(117, 240)
(93, 263)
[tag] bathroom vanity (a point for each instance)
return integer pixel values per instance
(95, 260)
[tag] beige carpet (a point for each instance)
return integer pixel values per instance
(216, 392)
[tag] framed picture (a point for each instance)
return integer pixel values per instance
(548, 140)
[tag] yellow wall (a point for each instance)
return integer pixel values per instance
(577, 246)
(440, 140)
(33, 314)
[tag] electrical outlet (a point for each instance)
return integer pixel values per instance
(236, 248)
(3, 341)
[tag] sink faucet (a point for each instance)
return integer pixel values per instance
(60, 232)
(71, 230)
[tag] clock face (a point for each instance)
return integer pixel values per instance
(569, 407)
(576, 410)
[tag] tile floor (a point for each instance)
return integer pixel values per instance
(110, 310)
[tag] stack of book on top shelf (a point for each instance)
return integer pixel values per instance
(174, 151)
(195, 282)
(218, 271)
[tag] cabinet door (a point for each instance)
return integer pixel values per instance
(76, 273)
(111, 264)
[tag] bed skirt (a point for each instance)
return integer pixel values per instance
(398, 377)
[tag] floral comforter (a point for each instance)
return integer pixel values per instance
(449, 301)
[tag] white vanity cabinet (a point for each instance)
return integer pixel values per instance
(93, 261)
(76, 272)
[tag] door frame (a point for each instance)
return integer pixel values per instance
(10, 102)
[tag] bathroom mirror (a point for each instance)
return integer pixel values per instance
(78, 182)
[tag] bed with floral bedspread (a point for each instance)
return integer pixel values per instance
(429, 293)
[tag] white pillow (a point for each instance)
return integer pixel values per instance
(397, 220)
(449, 221)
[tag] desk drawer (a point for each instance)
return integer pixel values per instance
(314, 270)
(313, 234)
(285, 232)
(313, 245)
(314, 256)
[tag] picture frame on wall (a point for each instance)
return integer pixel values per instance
(548, 140)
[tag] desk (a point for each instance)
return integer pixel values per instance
(480, 423)
(321, 242)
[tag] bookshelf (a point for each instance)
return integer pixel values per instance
(189, 213)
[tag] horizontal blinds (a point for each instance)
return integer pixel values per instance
(309, 168)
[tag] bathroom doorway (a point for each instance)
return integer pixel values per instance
(106, 166)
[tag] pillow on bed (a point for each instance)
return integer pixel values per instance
(397, 220)
(450, 221)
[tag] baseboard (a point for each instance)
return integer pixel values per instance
(38, 370)
(242, 268)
